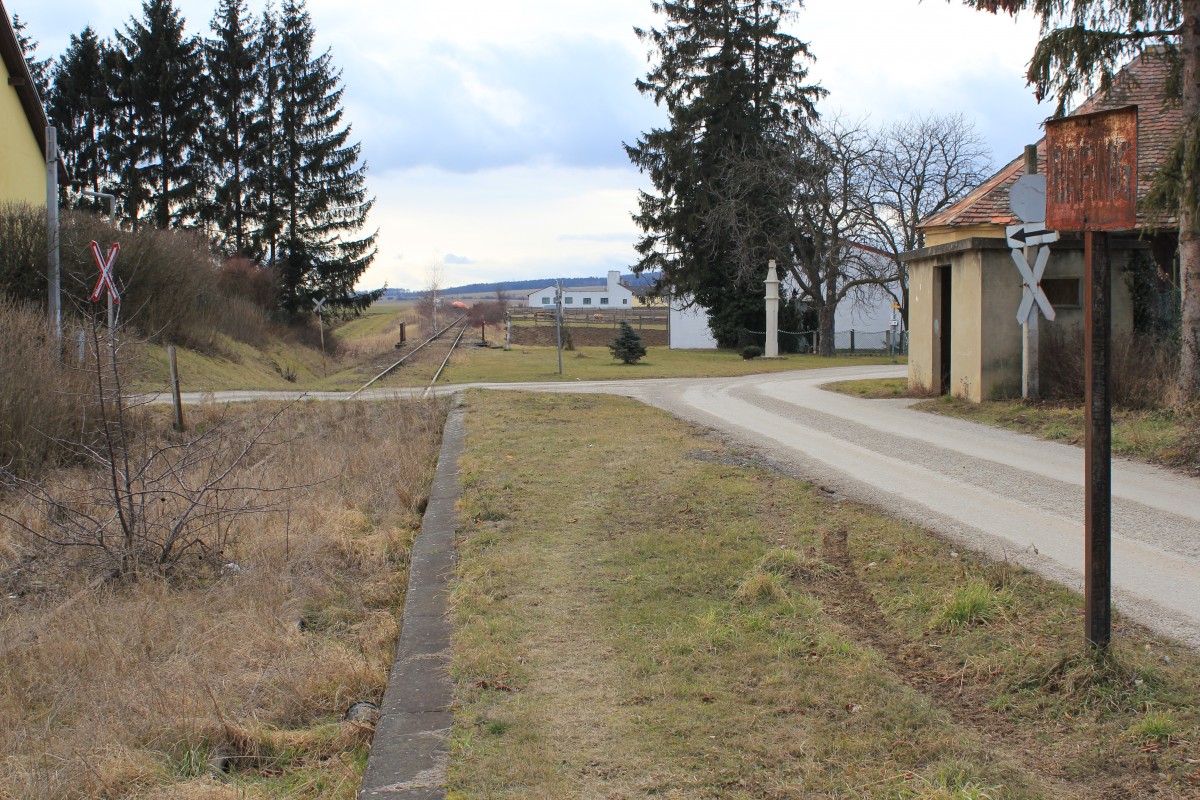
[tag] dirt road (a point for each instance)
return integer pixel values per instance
(1003, 493)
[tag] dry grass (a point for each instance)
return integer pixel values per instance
(643, 616)
(147, 690)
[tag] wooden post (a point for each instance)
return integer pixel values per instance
(1098, 443)
(176, 399)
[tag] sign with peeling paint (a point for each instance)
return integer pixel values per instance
(1091, 171)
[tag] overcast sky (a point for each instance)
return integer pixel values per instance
(493, 129)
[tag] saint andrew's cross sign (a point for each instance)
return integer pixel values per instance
(105, 281)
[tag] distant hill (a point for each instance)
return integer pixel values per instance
(521, 287)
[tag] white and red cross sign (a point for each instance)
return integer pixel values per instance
(105, 281)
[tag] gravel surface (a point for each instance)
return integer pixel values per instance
(1003, 493)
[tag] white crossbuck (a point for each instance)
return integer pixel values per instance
(105, 263)
(1020, 236)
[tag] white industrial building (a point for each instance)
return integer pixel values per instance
(613, 295)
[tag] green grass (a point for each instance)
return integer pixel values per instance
(874, 388)
(480, 365)
(643, 622)
(1170, 437)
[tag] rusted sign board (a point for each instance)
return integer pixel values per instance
(1091, 171)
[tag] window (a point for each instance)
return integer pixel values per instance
(545, 301)
(625, 301)
(587, 301)
(569, 300)
(603, 301)
(1063, 292)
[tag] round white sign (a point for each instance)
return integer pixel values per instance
(1027, 198)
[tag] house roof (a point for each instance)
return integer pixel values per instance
(1142, 82)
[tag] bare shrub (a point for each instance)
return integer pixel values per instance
(1144, 368)
(23, 251)
(44, 406)
(241, 277)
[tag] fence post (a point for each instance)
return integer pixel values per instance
(852, 341)
(176, 400)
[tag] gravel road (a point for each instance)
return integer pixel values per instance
(1002, 493)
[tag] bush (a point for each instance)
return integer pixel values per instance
(627, 347)
(23, 252)
(45, 405)
(752, 351)
(1144, 368)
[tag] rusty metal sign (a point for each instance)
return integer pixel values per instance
(1091, 171)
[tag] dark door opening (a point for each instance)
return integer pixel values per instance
(943, 332)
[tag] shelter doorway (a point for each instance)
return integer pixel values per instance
(942, 328)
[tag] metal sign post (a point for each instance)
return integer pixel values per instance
(1092, 187)
(318, 305)
(53, 267)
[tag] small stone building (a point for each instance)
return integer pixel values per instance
(964, 338)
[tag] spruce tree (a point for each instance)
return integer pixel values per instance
(38, 68)
(732, 83)
(160, 77)
(322, 184)
(266, 179)
(231, 134)
(627, 347)
(1084, 44)
(79, 106)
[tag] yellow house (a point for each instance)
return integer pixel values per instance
(22, 125)
(964, 338)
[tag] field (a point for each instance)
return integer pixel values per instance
(679, 621)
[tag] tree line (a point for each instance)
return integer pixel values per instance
(239, 133)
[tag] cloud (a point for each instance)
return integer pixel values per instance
(569, 102)
(450, 258)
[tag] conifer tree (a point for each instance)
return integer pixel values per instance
(159, 75)
(232, 131)
(732, 83)
(38, 68)
(79, 109)
(322, 184)
(1084, 43)
(266, 179)
(627, 347)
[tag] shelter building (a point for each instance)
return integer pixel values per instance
(964, 338)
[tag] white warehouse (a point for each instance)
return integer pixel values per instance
(614, 295)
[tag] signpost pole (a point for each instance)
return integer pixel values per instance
(1092, 169)
(558, 320)
(1098, 443)
(54, 272)
(1030, 390)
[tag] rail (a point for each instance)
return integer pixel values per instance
(445, 361)
(412, 352)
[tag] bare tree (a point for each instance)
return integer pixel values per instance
(428, 304)
(921, 165)
(826, 187)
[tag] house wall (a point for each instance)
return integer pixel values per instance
(689, 327)
(618, 296)
(22, 165)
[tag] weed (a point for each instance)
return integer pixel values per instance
(787, 563)
(1158, 726)
(974, 604)
(762, 587)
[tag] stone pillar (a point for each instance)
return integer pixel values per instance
(771, 350)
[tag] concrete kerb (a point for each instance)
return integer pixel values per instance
(410, 749)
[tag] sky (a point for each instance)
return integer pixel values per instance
(493, 130)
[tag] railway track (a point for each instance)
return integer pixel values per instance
(450, 335)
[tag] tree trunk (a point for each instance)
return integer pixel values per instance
(1189, 224)
(825, 315)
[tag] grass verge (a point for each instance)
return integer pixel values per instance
(646, 616)
(1170, 437)
(875, 388)
(230, 682)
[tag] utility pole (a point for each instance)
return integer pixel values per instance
(558, 301)
(53, 267)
